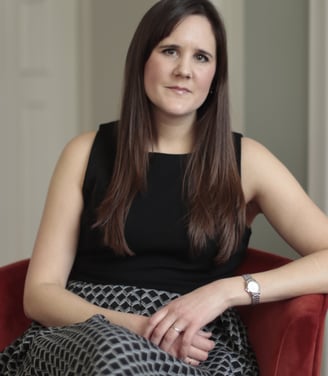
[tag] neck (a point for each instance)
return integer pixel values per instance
(175, 136)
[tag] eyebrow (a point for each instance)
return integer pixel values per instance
(198, 50)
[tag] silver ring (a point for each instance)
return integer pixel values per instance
(176, 329)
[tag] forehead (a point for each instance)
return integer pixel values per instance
(193, 30)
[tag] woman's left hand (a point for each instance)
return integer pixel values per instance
(183, 318)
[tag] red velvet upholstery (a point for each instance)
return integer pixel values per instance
(287, 336)
(12, 319)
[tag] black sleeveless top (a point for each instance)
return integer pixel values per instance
(155, 230)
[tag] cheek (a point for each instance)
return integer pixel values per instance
(210, 77)
(150, 76)
(207, 80)
(146, 77)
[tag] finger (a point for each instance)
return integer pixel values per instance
(168, 334)
(197, 354)
(197, 339)
(205, 334)
(154, 321)
(202, 343)
(191, 361)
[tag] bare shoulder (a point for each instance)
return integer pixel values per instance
(55, 244)
(252, 148)
(75, 155)
(80, 144)
(257, 165)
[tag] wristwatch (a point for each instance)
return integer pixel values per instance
(252, 287)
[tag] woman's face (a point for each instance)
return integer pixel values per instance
(180, 69)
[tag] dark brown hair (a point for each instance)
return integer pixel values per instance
(212, 186)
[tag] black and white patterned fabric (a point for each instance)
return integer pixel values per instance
(96, 347)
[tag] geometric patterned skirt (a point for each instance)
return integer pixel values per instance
(96, 347)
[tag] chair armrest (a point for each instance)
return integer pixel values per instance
(286, 336)
(13, 321)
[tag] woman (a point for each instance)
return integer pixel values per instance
(147, 219)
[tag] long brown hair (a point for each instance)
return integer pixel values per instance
(212, 186)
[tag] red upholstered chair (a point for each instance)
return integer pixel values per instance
(287, 336)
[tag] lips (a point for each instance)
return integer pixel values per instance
(179, 89)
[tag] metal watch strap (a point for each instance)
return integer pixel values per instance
(255, 295)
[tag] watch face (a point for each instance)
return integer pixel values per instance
(253, 286)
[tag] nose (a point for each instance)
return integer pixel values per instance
(183, 68)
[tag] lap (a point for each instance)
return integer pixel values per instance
(97, 347)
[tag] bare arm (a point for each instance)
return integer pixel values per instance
(294, 216)
(45, 297)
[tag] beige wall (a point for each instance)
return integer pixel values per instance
(112, 24)
(276, 90)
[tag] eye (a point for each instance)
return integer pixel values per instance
(169, 51)
(202, 58)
